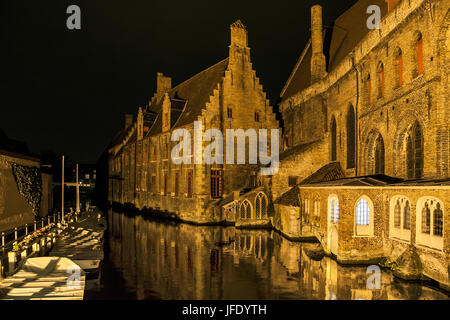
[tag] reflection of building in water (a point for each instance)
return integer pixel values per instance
(179, 261)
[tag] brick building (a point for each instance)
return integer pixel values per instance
(365, 166)
(227, 95)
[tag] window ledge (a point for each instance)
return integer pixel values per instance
(368, 236)
(400, 240)
(424, 246)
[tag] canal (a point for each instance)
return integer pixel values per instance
(160, 260)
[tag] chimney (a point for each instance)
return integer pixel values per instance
(163, 84)
(318, 68)
(128, 120)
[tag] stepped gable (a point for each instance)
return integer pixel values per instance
(192, 95)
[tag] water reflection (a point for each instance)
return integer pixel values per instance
(168, 261)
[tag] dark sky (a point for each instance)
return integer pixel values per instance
(67, 91)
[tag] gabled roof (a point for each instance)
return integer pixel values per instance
(331, 171)
(189, 96)
(289, 198)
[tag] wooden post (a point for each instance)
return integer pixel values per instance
(15, 233)
(11, 262)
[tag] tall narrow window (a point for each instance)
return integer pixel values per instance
(426, 219)
(399, 58)
(369, 89)
(165, 183)
(153, 184)
(379, 155)
(407, 216)
(419, 54)
(414, 152)
(362, 213)
(256, 116)
(216, 184)
(189, 183)
(397, 214)
(380, 80)
(246, 210)
(438, 220)
(351, 140)
(176, 182)
(230, 112)
(333, 139)
(260, 206)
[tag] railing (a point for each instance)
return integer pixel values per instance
(15, 235)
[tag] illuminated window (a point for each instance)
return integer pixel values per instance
(419, 54)
(334, 210)
(216, 184)
(261, 206)
(362, 213)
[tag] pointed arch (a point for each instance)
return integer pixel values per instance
(333, 130)
(379, 155)
(261, 206)
(246, 210)
(351, 137)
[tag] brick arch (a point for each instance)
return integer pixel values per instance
(404, 128)
(374, 141)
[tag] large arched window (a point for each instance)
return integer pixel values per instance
(333, 139)
(380, 80)
(379, 155)
(261, 206)
(246, 210)
(414, 152)
(430, 222)
(364, 217)
(351, 137)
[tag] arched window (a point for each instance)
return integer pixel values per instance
(317, 211)
(369, 89)
(351, 140)
(407, 216)
(400, 218)
(379, 155)
(380, 79)
(261, 206)
(399, 69)
(333, 139)
(246, 210)
(334, 210)
(418, 47)
(438, 219)
(430, 219)
(362, 213)
(414, 152)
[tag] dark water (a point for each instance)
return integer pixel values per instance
(154, 260)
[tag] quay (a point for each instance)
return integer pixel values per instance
(59, 264)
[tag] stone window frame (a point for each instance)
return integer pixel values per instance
(316, 213)
(364, 230)
(429, 239)
(261, 204)
(248, 210)
(400, 232)
(351, 136)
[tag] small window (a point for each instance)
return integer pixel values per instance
(230, 112)
(176, 182)
(293, 181)
(399, 62)
(189, 183)
(438, 221)
(257, 116)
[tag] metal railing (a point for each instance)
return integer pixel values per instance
(17, 234)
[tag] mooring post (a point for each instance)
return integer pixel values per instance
(15, 233)
(26, 229)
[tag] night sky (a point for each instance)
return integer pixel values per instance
(68, 90)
